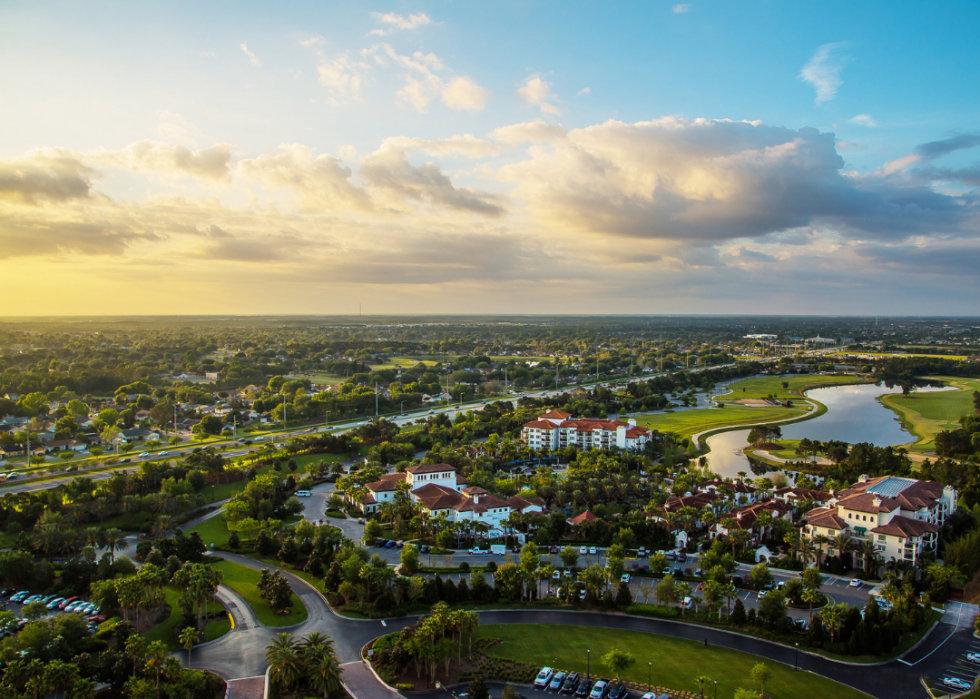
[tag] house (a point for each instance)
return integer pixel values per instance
(745, 517)
(797, 496)
(134, 434)
(739, 489)
(902, 516)
(586, 517)
(557, 429)
(212, 375)
(57, 445)
(698, 501)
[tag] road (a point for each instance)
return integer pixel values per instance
(240, 653)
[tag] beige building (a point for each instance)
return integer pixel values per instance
(557, 429)
(902, 516)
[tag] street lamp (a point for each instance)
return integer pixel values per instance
(588, 672)
(796, 660)
(650, 676)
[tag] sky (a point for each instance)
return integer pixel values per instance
(490, 157)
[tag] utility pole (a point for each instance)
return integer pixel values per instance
(376, 399)
(234, 426)
(285, 420)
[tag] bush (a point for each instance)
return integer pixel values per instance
(464, 567)
(405, 686)
(491, 567)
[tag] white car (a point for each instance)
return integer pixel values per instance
(163, 453)
(957, 683)
(856, 583)
(973, 657)
(593, 550)
(582, 551)
(598, 690)
(544, 677)
(302, 493)
(145, 455)
(625, 578)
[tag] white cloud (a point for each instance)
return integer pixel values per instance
(315, 40)
(538, 131)
(863, 120)
(341, 75)
(537, 92)
(585, 91)
(396, 21)
(823, 71)
(155, 156)
(466, 144)
(463, 93)
(251, 56)
(419, 93)
(176, 128)
(681, 8)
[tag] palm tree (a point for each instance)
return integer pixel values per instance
(701, 681)
(870, 556)
(842, 544)
(324, 673)
(156, 653)
(285, 663)
(112, 537)
(163, 525)
(188, 637)
(811, 596)
(820, 543)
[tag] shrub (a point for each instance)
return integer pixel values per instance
(405, 686)
(491, 567)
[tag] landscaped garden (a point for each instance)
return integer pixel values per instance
(246, 582)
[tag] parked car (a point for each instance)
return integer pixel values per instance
(584, 687)
(781, 584)
(302, 493)
(544, 677)
(957, 683)
(571, 683)
(6, 593)
(682, 557)
(556, 575)
(678, 571)
(55, 602)
(553, 549)
(19, 596)
(617, 690)
(671, 556)
(599, 689)
(973, 657)
(424, 549)
(625, 578)
(593, 550)
(68, 601)
(556, 681)
(856, 583)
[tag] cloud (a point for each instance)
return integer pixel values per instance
(926, 153)
(936, 149)
(537, 92)
(396, 21)
(681, 8)
(712, 180)
(464, 93)
(155, 156)
(176, 128)
(251, 56)
(45, 177)
(342, 75)
(823, 71)
(393, 181)
(423, 82)
(863, 120)
(538, 131)
(584, 91)
(319, 183)
(466, 145)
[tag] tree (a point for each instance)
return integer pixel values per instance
(618, 660)
(682, 591)
(702, 681)
(569, 557)
(760, 576)
(811, 597)
(34, 610)
(478, 688)
(285, 663)
(410, 559)
(189, 637)
(772, 608)
(761, 673)
(530, 562)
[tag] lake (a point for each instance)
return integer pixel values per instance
(853, 415)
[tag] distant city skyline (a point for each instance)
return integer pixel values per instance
(511, 157)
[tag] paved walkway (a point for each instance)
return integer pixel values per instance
(362, 683)
(247, 688)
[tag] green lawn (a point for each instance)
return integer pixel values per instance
(245, 581)
(212, 531)
(928, 414)
(165, 630)
(763, 386)
(688, 422)
(676, 661)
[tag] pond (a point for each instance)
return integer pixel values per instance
(853, 415)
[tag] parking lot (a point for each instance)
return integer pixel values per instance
(958, 666)
(17, 607)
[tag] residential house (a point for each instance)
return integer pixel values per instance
(746, 517)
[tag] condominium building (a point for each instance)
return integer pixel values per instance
(557, 429)
(902, 516)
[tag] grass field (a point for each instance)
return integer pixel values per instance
(688, 422)
(927, 414)
(165, 630)
(245, 582)
(677, 661)
(763, 386)
(212, 531)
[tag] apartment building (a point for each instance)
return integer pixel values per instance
(557, 429)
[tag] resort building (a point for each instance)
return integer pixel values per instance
(557, 429)
(902, 516)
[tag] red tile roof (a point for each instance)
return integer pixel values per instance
(430, 468)
(584, 517)
(906, 527)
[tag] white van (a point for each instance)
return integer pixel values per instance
(498, 549)
(688, 602)
(302, 493)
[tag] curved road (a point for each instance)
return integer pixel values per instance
(241, 652)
